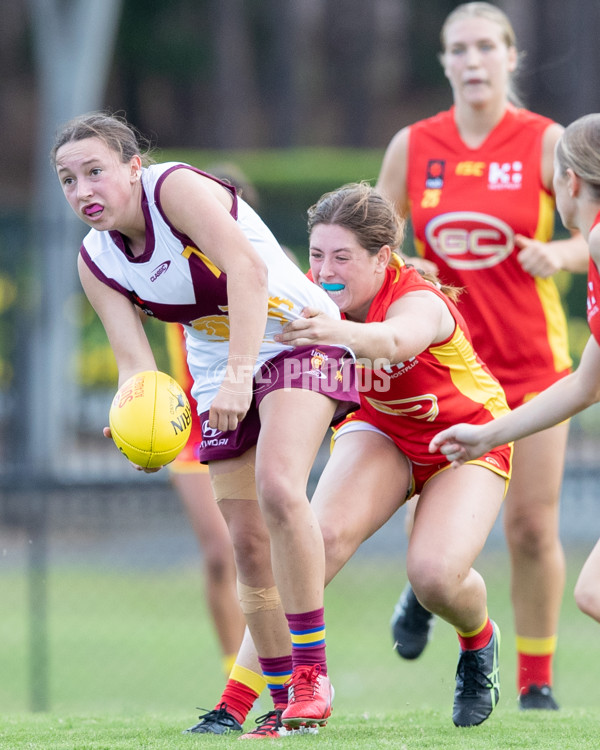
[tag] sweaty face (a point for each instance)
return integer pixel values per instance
(96, 183)
(477, 61)
(349, 274)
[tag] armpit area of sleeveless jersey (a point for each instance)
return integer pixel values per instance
(466, 207)
(445, 384)
(175, 281)
(593, 294)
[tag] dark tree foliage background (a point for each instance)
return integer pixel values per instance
(276, 73)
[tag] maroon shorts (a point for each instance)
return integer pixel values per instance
(329, 370)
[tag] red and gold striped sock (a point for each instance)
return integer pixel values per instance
(242, 689)
(535, 657)
(478, 638)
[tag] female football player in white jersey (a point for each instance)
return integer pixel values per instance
(180, 245)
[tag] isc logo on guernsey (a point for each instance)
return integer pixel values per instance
(469, 240)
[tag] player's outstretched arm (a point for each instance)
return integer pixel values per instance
(562, 400)
(463, 442)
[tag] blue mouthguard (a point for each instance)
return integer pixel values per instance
(332, 287)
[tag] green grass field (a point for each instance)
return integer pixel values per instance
(132, 654)
(402, 730)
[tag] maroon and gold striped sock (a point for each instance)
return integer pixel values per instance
(277, 671)
(307, 630)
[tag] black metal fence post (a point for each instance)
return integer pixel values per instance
(37, 538)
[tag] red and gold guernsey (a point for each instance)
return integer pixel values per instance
(187, 460)
(447, 383)
(593, 294)
(466, 206)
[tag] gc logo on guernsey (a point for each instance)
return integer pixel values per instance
(470, 240)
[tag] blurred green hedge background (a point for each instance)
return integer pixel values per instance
(287, 182)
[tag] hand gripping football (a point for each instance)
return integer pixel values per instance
(150, 419)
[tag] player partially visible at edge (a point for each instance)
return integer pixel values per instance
(476, 181)
(577, 188)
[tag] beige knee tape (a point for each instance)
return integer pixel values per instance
(235, 485)
(257, 600)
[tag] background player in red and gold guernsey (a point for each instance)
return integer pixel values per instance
(192, 482)
(476, 182)
(191, 478)
(244, 679)
(577, 187)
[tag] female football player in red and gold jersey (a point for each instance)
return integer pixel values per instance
(577, 188)
(476, 181)
(192, 482)
(419, 370)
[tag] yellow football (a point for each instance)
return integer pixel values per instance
(150, 419)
